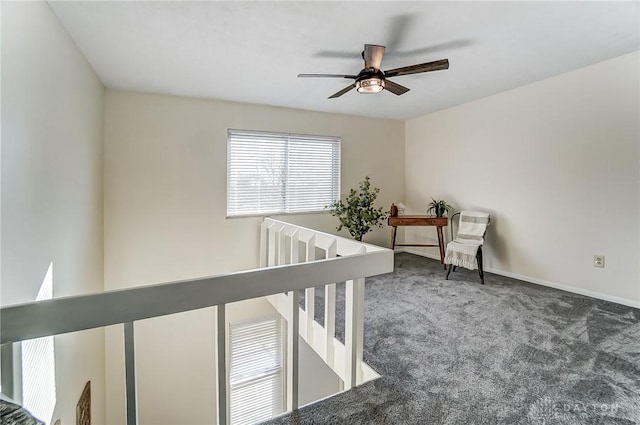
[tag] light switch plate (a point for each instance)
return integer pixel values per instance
(598, 261)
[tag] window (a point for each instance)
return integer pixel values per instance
(39, 365)
(256, 373)
(275, 173)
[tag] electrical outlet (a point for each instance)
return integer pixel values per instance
(598, 261)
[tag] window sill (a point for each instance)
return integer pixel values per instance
(231, 217)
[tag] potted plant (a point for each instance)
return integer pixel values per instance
(357, 213)
(439, 207)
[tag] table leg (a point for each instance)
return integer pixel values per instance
(441, 245)
(393, 237)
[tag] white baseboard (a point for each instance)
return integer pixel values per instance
(560, 286)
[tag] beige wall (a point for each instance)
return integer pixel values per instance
(165, 176)
(52, 115)
(557, 165)
(165, 208)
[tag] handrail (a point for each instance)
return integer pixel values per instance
(77, 313)
(344, 260)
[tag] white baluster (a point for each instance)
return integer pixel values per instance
(272, 245)
(282, 247)
(310, 293)
(264, 247)
(330, 311)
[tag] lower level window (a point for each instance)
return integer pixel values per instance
(256, 372)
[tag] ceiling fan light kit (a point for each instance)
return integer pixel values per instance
(371, 79)
(370, 85)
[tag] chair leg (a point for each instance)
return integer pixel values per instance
(480, 269)
(448, 271)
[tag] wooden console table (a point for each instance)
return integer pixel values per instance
(419, 220)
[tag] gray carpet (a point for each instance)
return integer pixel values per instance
(507, 352)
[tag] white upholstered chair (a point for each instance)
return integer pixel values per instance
(466, 249)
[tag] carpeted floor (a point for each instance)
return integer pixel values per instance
(507, 352)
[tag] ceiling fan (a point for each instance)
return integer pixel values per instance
(373, 80)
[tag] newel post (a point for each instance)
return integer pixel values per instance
(354, 332)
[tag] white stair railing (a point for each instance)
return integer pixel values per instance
(281, 272)
(285, 243)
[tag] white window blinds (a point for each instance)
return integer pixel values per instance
(256, 376)
(271, 173)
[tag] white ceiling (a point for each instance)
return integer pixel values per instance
(253, 51)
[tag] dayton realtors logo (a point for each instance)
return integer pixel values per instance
(545, 411)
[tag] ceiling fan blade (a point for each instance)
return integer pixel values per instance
(416, 69)
(343, 91)
(327, 76)
(372, 56)
(395, 88)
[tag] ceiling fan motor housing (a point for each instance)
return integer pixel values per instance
(370, 73)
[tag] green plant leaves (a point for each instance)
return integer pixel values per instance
(438, 206)
(357, 213)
